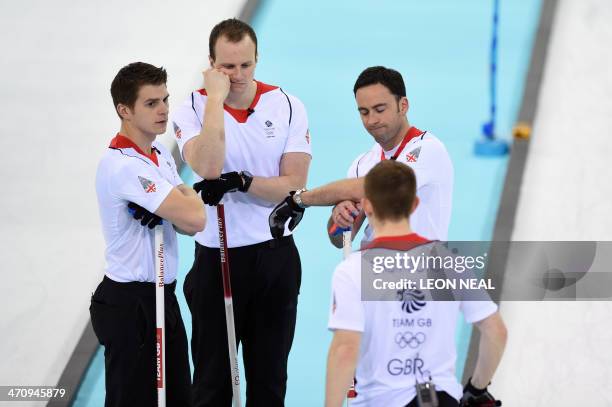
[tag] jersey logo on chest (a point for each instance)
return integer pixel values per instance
(412, 300)
(269, 129)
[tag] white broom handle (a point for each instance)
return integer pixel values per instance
(160, 319)
(346, 251)
(229, 308)
(346, 244)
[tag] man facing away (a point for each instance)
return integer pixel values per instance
(365, 336)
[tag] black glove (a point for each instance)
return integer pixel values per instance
(214, 189)
(146, 218)
(285, 210)
(473, 397)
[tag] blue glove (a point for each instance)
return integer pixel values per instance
(146, 218)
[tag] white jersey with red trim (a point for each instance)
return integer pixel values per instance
(255, 141)
(126, 174)
(433, 168)
(401, 340)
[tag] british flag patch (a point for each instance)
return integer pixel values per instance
(334, 304)
(147, 185)
(177, 131)
(413, 156)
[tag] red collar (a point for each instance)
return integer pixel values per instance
(403, 242)
(120, 141)
(241, 115)
(410, 134)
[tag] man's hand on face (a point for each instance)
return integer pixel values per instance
(217, 83)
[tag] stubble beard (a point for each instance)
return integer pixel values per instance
(389, 137)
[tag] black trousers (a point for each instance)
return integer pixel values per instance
(123, 318)
(444, 400)
(265, 281)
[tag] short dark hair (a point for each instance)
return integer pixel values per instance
(389, 78)
(234, 30)
(391, 188)
(129, 80)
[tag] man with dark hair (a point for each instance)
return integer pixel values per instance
(248, 144)
(129, 80)
(138, 173)
(381, 100)
(390, 352)
(390, 78)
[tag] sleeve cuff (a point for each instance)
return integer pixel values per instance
(481, 314)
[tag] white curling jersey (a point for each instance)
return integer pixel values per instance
(255, 141)
(126, 174)
(433, 168)
(403, 340)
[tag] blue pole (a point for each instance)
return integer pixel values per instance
(493, 77)
(488, 129)
(489, 145)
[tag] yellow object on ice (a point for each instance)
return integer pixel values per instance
(521, 130)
